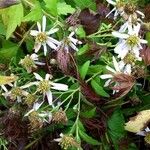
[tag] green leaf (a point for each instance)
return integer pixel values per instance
(7, 52)
(89, 113)
(35, 14)
(83, 50)
(85, 4)
(15, 15)
(80, 125)
(88, 139)
(64, 9)
(51, 5)
(116, 126)
(148, 38)
(98, 89)
(84, 69)
(80, 32)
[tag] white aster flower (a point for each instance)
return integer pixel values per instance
(118, 69)
(129, 60)
(128, 42)
(7, 80)
(70, 42)
(42, 37)
(118, 7)
(45, 86)
(67, 141)
(30, 62)
(130, 26)
(15, 93)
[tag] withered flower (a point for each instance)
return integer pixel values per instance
(35, 121)
(30, 99)
(73, 19)
(59, 117)
(145, 54)
(125, 82)
(89, 21)
(63, 59)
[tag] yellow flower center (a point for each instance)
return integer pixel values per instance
(147, 138)
(30, 99)
(44, 86)
(41, 37)
(28, 63)
(16, 92)
(130, 58)
(130, 8)
(120, 4)
(132, 40)
(67, 142)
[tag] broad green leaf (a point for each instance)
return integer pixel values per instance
(15, 15)
(35, 14)
(85, 4)
(88, 139)
(7, 52)
(93, 69)
(84, 69)
(98, 89)
(51, 5)
(137, 123)
(64, 9)
(7, 79)
(116, 127)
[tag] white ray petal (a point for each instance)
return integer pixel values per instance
(37, 46)
(140, 13)
(120, 35)
(49, 97)
(73, 46)
(29, 84)
(51, 31)
(45, 49)
(110, 12)
(34, 56)
(59, 86)
(43, 24)
(54, 41)
(37, 76)
(116, 64)
(47, 76)
(111, 2)
(4, 88)
(39, 26)
(143, 41)
(37, 105)
(128, 69)
(110, 69)
(107, 83)
(106, 76)
(51, 45)
(34, 32)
